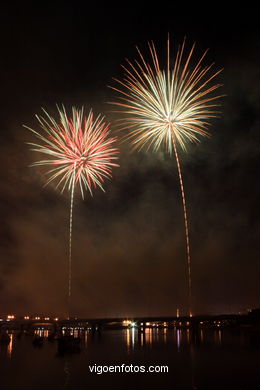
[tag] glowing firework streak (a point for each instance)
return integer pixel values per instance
(81, 153)
(70, 237)
(168, 107)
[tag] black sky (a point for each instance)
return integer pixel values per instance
(128, 244)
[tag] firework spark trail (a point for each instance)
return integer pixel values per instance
(81, 153)
(168, 107)
(186, 227)
(70, 237)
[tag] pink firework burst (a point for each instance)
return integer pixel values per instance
(78, 148)
(80, 152)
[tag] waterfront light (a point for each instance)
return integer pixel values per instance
(127, 322)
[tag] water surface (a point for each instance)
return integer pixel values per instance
(219, 359)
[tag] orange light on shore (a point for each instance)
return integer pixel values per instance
(127, 322)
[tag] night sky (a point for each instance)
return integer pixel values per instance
(129, 255)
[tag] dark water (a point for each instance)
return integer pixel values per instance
(222, 359)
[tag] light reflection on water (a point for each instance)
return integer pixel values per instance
(188, 336)
(178, 338)
(42, 332)
(151, 336)
(193, 359)
(134, 338)
(145, 338)
(10, 346)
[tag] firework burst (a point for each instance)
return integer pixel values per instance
(80, 152)
(167, 107)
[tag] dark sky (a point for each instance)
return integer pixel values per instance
(128, 244)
